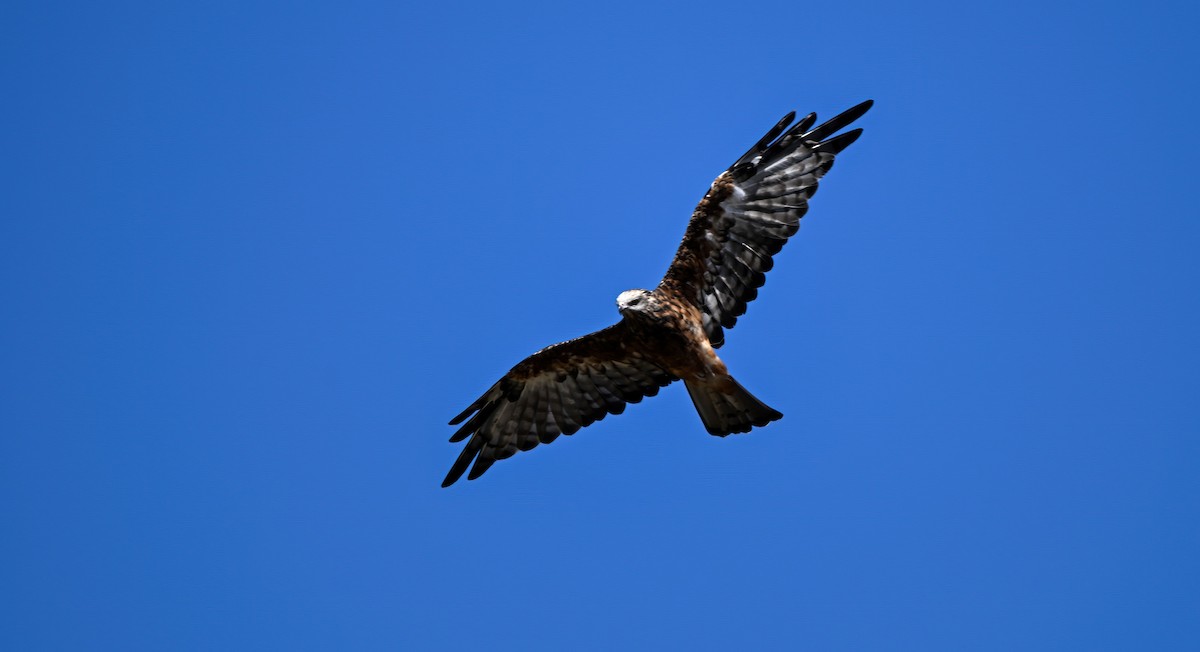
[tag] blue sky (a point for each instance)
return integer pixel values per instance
(255, 255)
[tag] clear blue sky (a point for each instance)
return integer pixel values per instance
(255, 255)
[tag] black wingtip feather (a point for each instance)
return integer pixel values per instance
(479, 402)
(465, 431)
(765, 141)
(473, 423)
(838, 143)
(777, 129)
(837, 122)
(482, 464)
(463, 415)
(805, 124)
(464, 460)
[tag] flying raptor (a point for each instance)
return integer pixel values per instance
(668, 333)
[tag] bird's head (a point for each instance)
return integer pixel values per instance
(634, 302)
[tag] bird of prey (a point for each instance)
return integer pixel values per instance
(668, 333)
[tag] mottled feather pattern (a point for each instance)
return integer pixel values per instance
(556, 391)
(746, 217)
(749, 214)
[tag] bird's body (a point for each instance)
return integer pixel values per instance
(672, 332)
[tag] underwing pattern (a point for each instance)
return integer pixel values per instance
(670, 333)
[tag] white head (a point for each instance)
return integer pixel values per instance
(637, 301)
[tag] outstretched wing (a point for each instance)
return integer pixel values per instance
(557, 390)
(749, 213)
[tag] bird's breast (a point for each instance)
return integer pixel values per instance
(675, 340)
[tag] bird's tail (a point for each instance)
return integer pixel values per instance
(726, 407)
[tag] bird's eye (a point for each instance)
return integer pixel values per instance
(635, 301)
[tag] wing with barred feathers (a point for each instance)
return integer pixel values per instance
(748, 215)
(557, 390)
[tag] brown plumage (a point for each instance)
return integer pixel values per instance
(669, 333)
